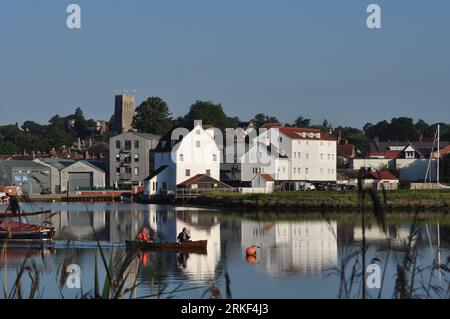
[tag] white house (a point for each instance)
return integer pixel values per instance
(182, 156)
(262, 183)
(297, 155)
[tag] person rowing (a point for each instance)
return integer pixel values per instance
(184, 237)
(144, 236)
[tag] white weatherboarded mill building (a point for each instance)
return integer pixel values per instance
(181, 156)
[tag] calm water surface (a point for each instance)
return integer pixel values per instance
(295, 259)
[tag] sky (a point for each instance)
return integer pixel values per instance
(315, 58)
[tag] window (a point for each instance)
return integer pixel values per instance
(118, 145)
(321, 171)
(198, 132)
(321, 143)
(117, 170)
(136, 158)
(306, 170)
(307, 155)
(214, 157)
(181, 157)
(295, 170)
(321, 156)
(307, 142)
(197, 143)
(117, 158)
(280, 139)
(136, 171)
(329, 156)
(154, 186)
(299, 155)
(128, 145)
(299, 170)
(299, 142)
(295, 155)
(136, 144)
(208, 172)
(188, 172)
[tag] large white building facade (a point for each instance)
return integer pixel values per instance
(182, 156)
(291, 156)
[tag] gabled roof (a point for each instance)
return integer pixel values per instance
(384, 175)
(156, 173)
(100, 165)
(346, 150)
(203, 178)
(267, 177)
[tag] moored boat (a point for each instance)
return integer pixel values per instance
(195, 246)
(18, 232)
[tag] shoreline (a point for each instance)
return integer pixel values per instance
(293, 202)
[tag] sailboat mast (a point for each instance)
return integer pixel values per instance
(438, 151)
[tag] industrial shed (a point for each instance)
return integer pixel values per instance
(71, 175)
(32, 178)
(82, 174)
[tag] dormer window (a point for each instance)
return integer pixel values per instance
(410, 154)
(198, 132)
(311, 135)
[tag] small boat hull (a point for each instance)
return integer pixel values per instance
(193, 246)
(25, 237)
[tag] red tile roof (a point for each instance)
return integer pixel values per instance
(346, 150)
(385, 175)
(389, 155)
(293, 133)
(192, 179)
(267, 177)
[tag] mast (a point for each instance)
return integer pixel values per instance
(438, 152)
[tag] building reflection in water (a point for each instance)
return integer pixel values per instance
(170, 221)
(292, 247)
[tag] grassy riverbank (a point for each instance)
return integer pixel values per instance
(400, 200)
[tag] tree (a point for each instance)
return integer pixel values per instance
(423, 128)
(210, 114)
(34, 128)
(153, 116)
(302, 122)
(261, 119)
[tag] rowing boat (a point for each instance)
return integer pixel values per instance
(188, 246)
(17, 232)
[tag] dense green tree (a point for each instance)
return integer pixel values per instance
(261, 119)
(34, 128)
(352, 136)
(423, 128)
(210, 113)
(57, 137)
(302, 122)
(153, 116)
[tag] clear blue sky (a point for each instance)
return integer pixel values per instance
(285, 58)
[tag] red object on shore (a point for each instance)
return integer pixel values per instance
(251, 251)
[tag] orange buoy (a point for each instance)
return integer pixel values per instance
(251, 251)
(251, 259)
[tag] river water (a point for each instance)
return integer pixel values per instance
(297, 257)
